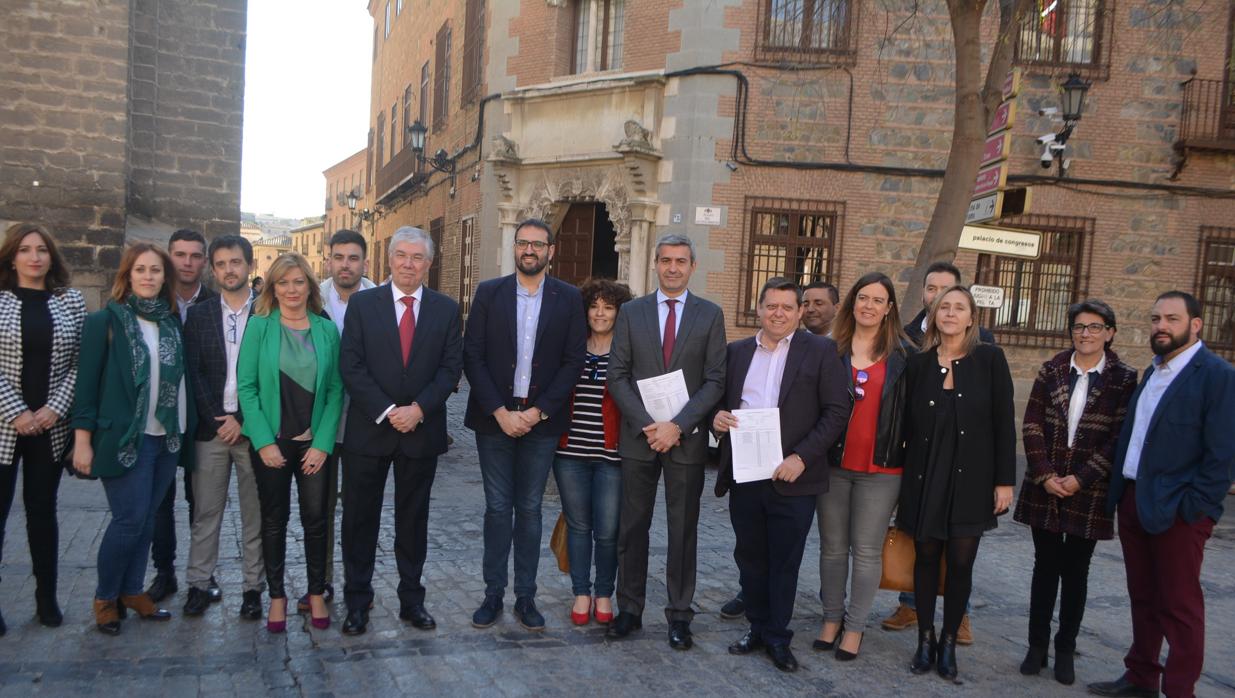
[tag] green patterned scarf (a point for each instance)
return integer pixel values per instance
(171, 370)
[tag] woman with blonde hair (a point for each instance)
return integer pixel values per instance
(130, 415)
(291, 396)
(959, 465)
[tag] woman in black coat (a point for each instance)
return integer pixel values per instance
(960, 464)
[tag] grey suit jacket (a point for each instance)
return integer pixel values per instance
(636, 354)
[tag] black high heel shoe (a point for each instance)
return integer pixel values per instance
(844, 655)
(946, 661)
(824, 646)
(1035, 661)
(924, 658)
(1065, 673)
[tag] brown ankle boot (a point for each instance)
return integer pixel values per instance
(143, 606)
(106, 617)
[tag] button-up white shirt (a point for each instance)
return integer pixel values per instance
(1165, 373)
(761, 388)
(400, 308)
(1080, 394)
(183, 304)
(231, 344)
(662, 312)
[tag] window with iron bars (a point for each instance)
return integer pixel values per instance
(793, 238)
(1216, 289)
(1037, 292)
(806, 31)
(467, 285)
(1071, 35)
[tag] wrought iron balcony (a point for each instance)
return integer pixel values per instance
(1207, 121)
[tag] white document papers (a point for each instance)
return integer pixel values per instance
(664, 396)
(756, 444)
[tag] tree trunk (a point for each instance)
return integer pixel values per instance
(977, 97)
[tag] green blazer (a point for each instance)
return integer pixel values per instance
(106, 396)
(257, 380)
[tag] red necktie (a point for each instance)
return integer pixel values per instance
(671, 322)
(407, 327)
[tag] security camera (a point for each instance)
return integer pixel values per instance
(1046, 139)
(1048, 157)
(1048, 111)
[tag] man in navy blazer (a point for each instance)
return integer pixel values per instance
(400, 358)
(523, 353)
(801, 374)
(1173, 464)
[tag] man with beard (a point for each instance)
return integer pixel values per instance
(346, 265)
(522, 352)
(212, 337)
(1173, 464)
(187, 248)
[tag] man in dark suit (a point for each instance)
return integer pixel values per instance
(212, 337)
(1173, 464)
(523, 353)
(400, 358)
(662, 332)
(187, 248)
(801, 373)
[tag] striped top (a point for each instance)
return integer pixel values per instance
(586, 438)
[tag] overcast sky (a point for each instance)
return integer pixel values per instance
(306, 100)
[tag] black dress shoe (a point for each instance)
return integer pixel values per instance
(680, 636)
(1065, 672)
(488, 613)
(945, 664)
(197, 603)
(1122, 687)
(749, 643)
(213, 592)
(418, 617)
(735, 608)
(623, 625)
(47, 610)
(357, 622)
(782, 658)
(1034, 662)
(251, 606)
(528, 616)
(163, 586)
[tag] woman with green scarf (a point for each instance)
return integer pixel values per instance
(130, 415)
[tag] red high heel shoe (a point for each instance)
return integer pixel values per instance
(581, 618)
(601, 616)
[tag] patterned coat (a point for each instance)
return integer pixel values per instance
(68, 312)
(1045, 433)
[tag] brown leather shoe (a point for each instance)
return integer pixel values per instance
(145, 607)
(964, 634)
(902, 618)
(106, 617)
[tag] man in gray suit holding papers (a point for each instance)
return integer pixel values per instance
(662, 332)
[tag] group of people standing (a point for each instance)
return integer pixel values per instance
(878, 422)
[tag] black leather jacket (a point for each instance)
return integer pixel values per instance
(888, 444)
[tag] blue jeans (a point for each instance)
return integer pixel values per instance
(514, 473)
(133, 498)
(591, 500)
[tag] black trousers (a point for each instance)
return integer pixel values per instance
(1060, 564)
(683, 487)
(771, 531)
(364, 487)
(163, 544)
(40, 483)
(274, 493)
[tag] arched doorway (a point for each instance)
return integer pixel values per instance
(585, 245)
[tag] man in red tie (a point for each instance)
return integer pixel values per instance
(400, 358)
(663, 332)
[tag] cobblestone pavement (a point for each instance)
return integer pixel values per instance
(219, 654)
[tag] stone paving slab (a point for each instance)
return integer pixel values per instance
(221, 655)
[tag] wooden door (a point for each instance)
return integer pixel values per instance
(572, 261)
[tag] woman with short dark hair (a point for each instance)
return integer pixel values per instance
(587, 470)
(38, 369)
(1071, 425)
(130, 416)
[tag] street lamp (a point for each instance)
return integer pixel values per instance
(441, 160)
(1072, 105)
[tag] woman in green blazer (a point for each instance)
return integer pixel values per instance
(291, 396)
(130, 414)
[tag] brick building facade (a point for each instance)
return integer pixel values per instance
(310, 241)
(121, 119)
(343, 178)
(806, 137)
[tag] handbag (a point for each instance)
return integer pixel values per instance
(898, 559)
(557, 543)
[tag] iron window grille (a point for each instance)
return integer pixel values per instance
(816, 32)
(1059, 36)
(1216, 289)
(794, 238)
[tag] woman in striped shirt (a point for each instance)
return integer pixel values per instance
(587, 464)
